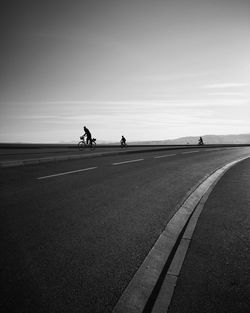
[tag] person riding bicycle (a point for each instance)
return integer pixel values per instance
(201, 141)
(123, 141)
(88, 135)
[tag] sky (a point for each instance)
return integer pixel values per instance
(145, 69)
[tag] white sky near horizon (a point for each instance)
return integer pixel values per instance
(149, 70)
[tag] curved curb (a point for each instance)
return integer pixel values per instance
(152, 286)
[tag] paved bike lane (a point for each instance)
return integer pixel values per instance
(215, 276)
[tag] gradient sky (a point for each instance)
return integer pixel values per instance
(145, 69)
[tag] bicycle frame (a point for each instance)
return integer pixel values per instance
(83, 144)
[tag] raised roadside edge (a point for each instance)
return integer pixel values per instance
(153, 284)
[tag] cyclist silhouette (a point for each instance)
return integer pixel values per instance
(201, 141)
(88, 135)
(123, 142)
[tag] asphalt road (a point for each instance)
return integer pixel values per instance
(74, 233)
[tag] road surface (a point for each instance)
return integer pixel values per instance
(73, 233)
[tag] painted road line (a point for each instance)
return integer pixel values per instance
(66, 173)
(163, 156)
(216, 149)
(130, 161)
(190, 152)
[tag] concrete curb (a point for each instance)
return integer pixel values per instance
(152, 286)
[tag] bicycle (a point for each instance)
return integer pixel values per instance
(83, 144)
(200, 143)
(123, 144)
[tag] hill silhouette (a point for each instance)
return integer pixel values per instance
(208, 139)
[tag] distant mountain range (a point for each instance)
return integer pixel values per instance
(191, 140)
(208, 139)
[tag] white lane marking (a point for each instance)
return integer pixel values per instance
(216, 149)
(189, 152)
(130, 161)
(163, 156)
(66, 173)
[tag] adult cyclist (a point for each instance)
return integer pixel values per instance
(87, 133)
(200, 141)
(123, 142)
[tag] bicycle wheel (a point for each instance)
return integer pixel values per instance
(81, 145)
(92, 147)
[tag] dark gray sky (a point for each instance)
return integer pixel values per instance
(145, 69)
